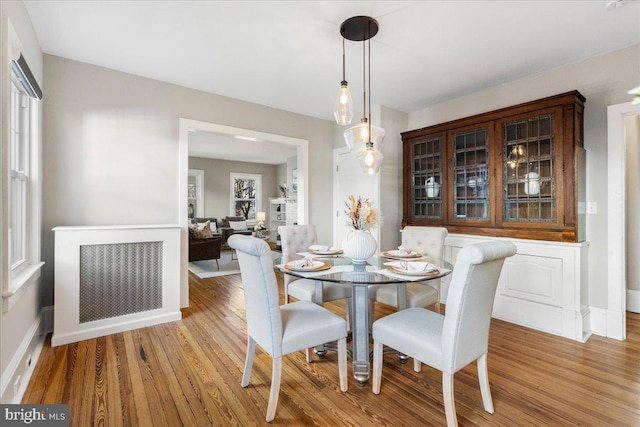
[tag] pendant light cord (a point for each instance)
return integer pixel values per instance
(364, 82)
(369, 43)
(344, 80)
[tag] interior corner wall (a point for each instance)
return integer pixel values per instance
(217, 181)
(632, 200)
(281, 177)
(604, 80)
(393, 122)
(111, 148)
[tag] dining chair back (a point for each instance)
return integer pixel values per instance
(281, 330)
(450, 342)
(296, 239)
(428, 241)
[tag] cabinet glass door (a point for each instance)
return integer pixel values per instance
(427, 178)
(471, 175)
(528, 170)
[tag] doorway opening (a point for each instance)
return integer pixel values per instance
(185, 127)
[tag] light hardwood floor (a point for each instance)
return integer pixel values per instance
(187, 373)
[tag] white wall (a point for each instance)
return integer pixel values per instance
(217, 182)
(603, 80)
(111, 147)
(632, 200)
(20, 323)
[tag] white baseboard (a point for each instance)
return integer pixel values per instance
(18, 373)
(633, 300)
(113, 328)
(599, 321)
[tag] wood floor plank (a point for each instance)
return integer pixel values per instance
(187, 373)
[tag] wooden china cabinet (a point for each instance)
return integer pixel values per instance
(515, 172)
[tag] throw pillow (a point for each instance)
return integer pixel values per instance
(214, 227)
(238, 225)
(201, 231)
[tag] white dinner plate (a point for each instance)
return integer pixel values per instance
(396, 254)
(413, 273)
(313, 266)
(327, 252)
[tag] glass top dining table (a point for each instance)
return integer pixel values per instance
(360, 276)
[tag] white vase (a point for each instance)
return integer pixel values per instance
(359, 245)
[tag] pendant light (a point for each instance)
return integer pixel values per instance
(364, 137)
(370, 158)
(343, 111)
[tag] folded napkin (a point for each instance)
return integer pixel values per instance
(302, 263)
(403, 251)
(412, 266)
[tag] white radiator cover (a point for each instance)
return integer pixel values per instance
(112, 279)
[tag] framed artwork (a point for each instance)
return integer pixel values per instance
(195, 194)
(246, 194)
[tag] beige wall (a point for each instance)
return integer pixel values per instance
(16, 324)
(217, 181)
(111, 147)
(603, 80)
(632, 200)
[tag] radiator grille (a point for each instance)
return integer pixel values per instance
(119, 279)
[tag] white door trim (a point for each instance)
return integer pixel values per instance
(184, 126)
(616, 268)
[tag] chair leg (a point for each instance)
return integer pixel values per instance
(483, 378)
(248, 362)
(342, 363)
(377, 366)
(308, 352)
(417, 365)
(449, 402)
(276, 376)
(218, 265)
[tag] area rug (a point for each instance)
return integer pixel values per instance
(208, 268)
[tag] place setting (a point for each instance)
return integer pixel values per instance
(412, 268)
(322, 251)
(307, 264)
(401, 253)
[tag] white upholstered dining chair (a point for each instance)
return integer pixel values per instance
(295, 239)
(428, 241)
(450, 342)
(281, 330)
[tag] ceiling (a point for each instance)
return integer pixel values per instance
(288, 54)
(224, 147)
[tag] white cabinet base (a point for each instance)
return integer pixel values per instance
(544, 286)
(111, 279)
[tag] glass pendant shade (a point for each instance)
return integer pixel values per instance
(343, 111)
(357, 136)
(370, 159)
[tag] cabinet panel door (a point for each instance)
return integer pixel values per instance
(531, 169)
(471, 189)
(427, 179)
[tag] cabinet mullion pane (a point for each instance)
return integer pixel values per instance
(471, 195)
(529, 165)
(427, 178)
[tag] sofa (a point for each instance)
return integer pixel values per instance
(204, 248)
(226, 230)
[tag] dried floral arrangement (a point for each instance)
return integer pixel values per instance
(361, 212)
